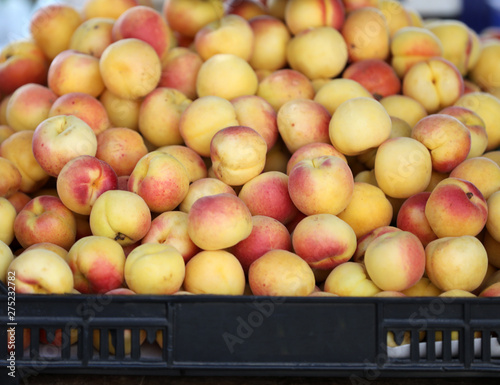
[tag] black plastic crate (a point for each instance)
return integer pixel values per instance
(253, 335)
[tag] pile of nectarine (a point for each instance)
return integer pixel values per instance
(266, 147)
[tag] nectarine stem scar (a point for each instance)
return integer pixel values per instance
(120, 237)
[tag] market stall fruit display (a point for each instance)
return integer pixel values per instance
(249, 148)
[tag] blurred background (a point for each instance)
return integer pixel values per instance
(477, 14)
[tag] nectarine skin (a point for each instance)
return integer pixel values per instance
(97, 264)
(281, 273)
(21, 62)
(45, 219)
(324, 241)
(312, 183)
(301, 15)
(491, 291)
(219, 221)
(82, 180)
(267, 234)
(456, 263)
(267, 194)
(376, 75)
(395, 261)
(411, 217)
(161, 180)
(456, 207)
(144, 23)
